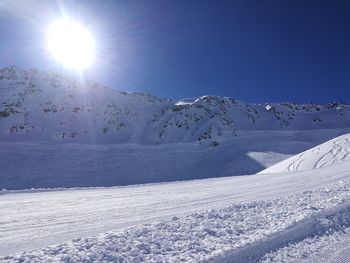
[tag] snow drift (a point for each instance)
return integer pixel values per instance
(329, 153)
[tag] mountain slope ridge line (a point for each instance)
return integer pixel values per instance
(50, 107)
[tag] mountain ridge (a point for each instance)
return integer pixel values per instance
(57, 131)
(51, 107)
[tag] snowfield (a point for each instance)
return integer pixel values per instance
(243, 232)
(258, 213)
(329, 153)
(60, 131)
(50, 165)
(176, 169)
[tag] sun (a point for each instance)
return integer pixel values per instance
(71, 44)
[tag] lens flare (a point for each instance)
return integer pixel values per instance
(71, 44)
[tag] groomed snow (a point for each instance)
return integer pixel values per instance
(59, 132)
(248, 210)
(244, 232)
(332, 246)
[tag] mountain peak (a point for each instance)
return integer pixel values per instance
(53, 107)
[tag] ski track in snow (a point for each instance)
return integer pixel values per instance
(330, 244)
(51, 138)
(329, 153)
(86, 165)
(244, 232)
(245, 218)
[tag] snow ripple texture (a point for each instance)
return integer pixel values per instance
(245, 232)
(329, 153)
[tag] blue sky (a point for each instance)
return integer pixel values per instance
(253, 50)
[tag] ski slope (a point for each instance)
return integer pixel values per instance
(48, 165)
(331, 247)
(329, 153)
(35, 219)
(59, 131)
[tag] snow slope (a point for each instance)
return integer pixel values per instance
(57, 108)
(41, 165)
(330, 247)
(253, 217)
(36, 219)
(263, 217)
(331, 152)
(59, 131)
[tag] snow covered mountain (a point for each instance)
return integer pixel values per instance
(331, 152)
(57, 131)
(52, 108)
(60, 132)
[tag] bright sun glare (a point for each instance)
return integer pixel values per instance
(71, 44)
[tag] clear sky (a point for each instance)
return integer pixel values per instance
(253, 50)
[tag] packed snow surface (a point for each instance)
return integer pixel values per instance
(251, 213)
(333, 246)
(329, 153)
